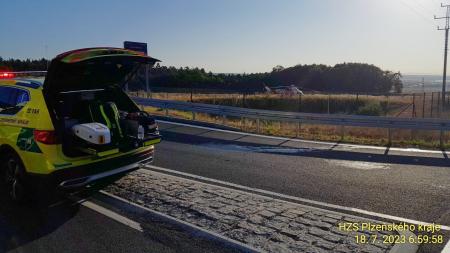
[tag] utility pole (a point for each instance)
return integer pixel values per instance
(447, 27)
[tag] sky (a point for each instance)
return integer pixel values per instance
(234, 36)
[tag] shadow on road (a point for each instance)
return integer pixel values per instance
(353, 155)
(21, 224)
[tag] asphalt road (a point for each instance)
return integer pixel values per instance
(409, 184)
(414, 185)
(71, 227)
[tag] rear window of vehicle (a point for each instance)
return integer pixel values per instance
(12, 99)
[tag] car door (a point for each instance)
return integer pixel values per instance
(12, 100)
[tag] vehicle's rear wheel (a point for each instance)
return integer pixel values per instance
(14, 177)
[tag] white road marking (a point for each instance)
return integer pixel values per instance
(134, 225)
(408, 150)
(276, 195)
(115, 216)
(446, 248)
(357, 165)
(258, 149)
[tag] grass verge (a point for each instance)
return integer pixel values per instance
(356, 135)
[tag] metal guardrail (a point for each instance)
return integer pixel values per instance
(389, 123)
(27, 72)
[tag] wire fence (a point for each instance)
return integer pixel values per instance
(411, 105)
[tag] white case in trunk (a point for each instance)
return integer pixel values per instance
(93, 133)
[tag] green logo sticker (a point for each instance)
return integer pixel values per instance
(26, 142)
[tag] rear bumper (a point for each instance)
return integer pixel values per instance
(81, 182)
(75, 178)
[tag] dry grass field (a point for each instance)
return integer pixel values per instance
(311, 103)
(396, 106)
(356, 135)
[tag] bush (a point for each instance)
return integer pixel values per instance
(371, 109)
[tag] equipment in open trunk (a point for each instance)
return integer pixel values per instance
(84, 87)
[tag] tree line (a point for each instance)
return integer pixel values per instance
(344, 77)
(23, 65)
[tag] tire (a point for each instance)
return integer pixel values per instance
(13, 177)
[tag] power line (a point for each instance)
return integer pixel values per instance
(446, 29)
(411, 8)
(424, 7)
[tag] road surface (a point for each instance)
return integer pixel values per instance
(71, 227)
(408, 184)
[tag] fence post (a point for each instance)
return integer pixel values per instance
(389, 137)
(423, 105)
(342, 132)
(439, 105)
(224, 118)
(193, 115)
(441, 140)
(299, 127)
(257, 126)
(387, 105)
(414, 105)
(299, 102)
(432, 104)
(192, 100)
(328, 104)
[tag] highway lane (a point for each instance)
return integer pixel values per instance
(414, 185)
(71, 227)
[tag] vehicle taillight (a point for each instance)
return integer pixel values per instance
(46, 137)
(6, 75)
